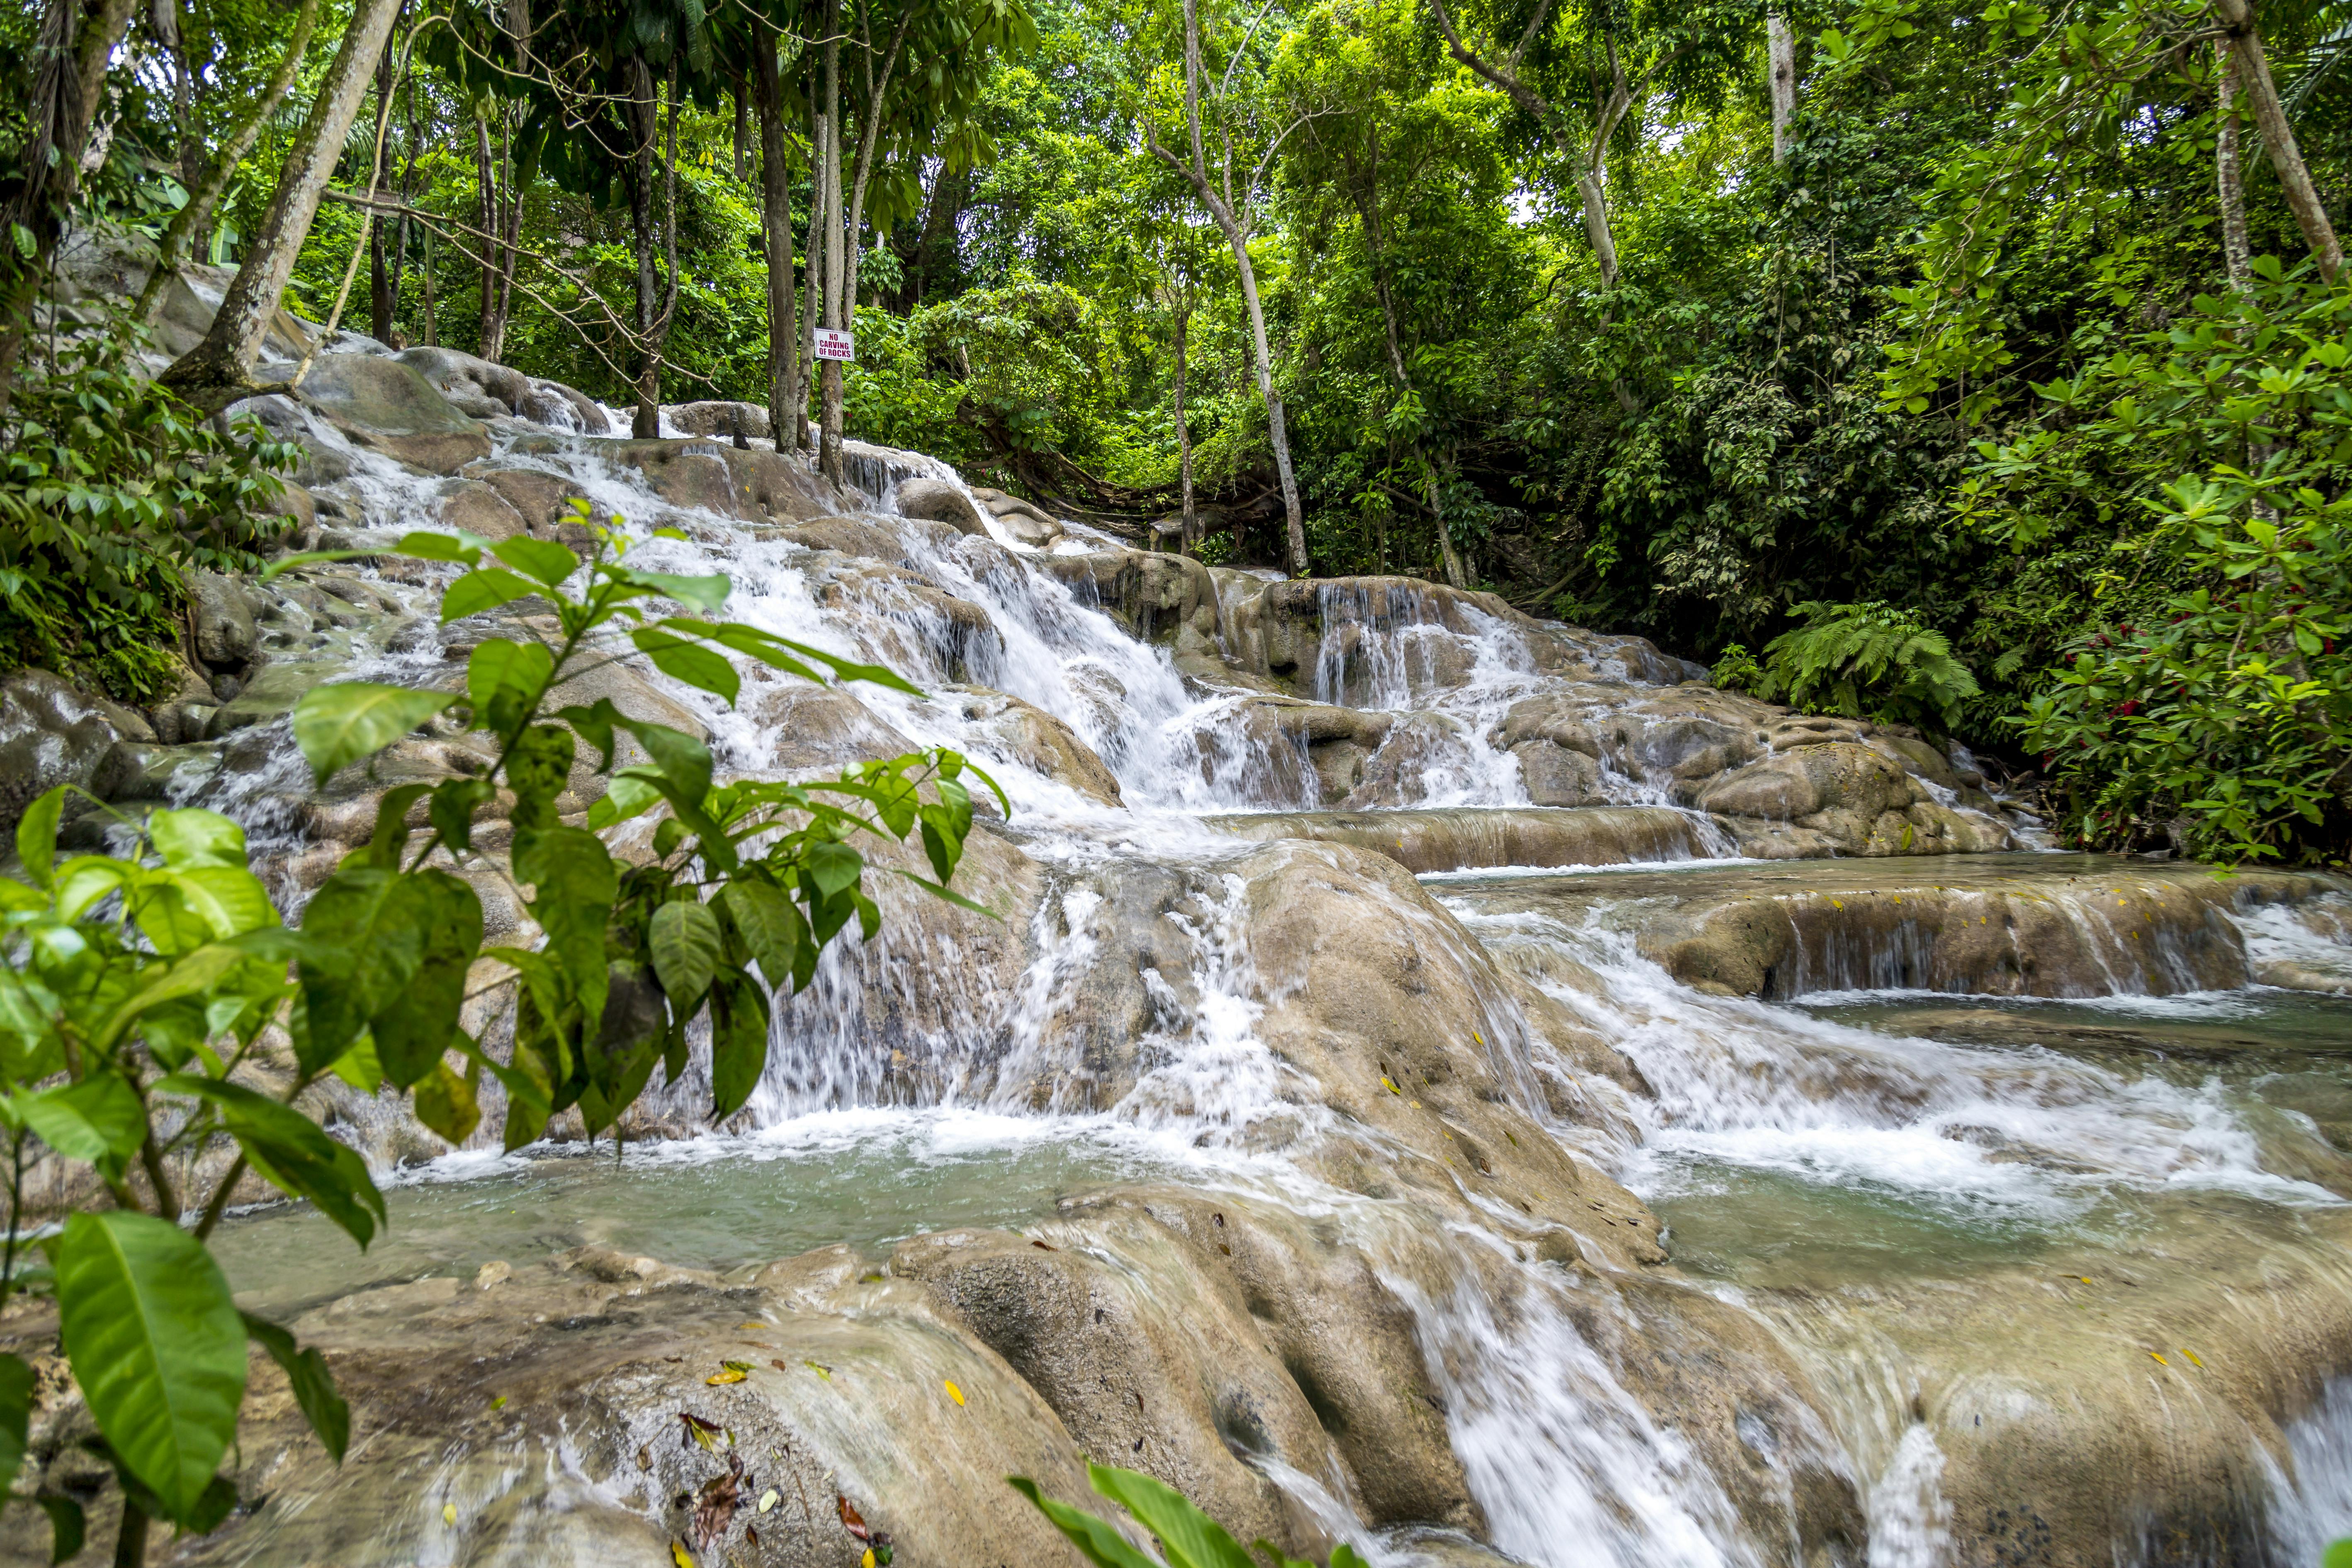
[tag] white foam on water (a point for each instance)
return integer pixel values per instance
(2311, 1497)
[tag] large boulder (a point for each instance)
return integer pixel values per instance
(389, 406)
(1038, 741)
(936, 500)
(718, 420)
(485, 389)
(53, 734)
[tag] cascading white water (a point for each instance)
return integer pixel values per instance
(1568, 1466)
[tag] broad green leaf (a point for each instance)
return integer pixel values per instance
(187, 976)
(1192, 1537)
(66, 1526)
(690, 662)
(415, 1027)
(771, 926)
(832, 867)
(359, 1068)
(390, 838)
(455, 802)
(705, 594)
(575, 884)
(504, 678)
(187, 839)
(629, 796)
(684, 938)
(542, 558)
(16, 1416)
(739, 1042)
(36, 835)
(157, 1346)
(85, 880)
(97, 1119)
(446, 1103)
(485, 589)
(229, 900)
(456, 546)
(292, 1152)
(336, 725)
(1097, 1540)
(312, 1383)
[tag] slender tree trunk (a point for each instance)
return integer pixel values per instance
(787, 409)
(829, 451)
(2278, 136)
(1230, 224)
(193, 224)
(75, 44)
(742, 127)
(432, 315)
(812, 265)
(1780, 52)
(165, 16)
(2229, 176)
(219, 370)
(1190, 532)
(379, 277)
(645, 422)
(868, 140)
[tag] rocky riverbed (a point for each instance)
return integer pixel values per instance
(1437, 1079)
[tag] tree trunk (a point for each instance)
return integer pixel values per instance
(1230, 224)
(379, 277)
(812, 265)
(1781, 51)
(219, 370)
(829, 383)
(1190, 532)
(76, 43)
(787, 409)
(645, 422)
(742, 127)
(432, 316)
(2229, 176)
(2270, 118)
(868, 140)
(193, 222)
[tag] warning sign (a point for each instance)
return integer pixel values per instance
(832, 342)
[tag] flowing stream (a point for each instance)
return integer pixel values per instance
(1847, 1171)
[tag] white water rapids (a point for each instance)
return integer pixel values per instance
(1792, 1111)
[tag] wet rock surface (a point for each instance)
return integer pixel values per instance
(1421, 1269)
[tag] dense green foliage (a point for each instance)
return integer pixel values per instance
(144, 995)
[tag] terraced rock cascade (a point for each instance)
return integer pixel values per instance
(1437, 1080)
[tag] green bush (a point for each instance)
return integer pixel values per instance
(1868, 660)
(110, 490)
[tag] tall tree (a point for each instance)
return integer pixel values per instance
(1232, 205)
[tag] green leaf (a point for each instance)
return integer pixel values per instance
(390, 953)
(197, 971)
(739, 1042)
(574, 885)
(416, 1027)
(190, 838)
(66, 1526)
(36, 835)
(292, 1152)
(157, 1346)
(229, 900)
(455, 802)
(97, 1119)
(336, 725)
(833, 867)
(504, 678)
(684, 938)
(457, 545)
(486, 589)
(705, 594)
(16, 1416)
(313, 1385)
(1097, 1540)
(542, 558)
(690, 662)
(1192, 1537)
(446, 1103)
(771, 925)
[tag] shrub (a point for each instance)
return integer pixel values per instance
(1866, 660)
(111, 490)
(1189, 1538)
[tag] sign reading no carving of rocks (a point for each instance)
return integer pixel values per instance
(832, 342)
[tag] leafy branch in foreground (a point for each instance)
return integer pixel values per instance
(154, 1005)
(1188, 1538)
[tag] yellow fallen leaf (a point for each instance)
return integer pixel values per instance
(824, 1371)
(1415, 1103)
(677, 1555)
(449, 1513)
(2157, 1359)
(955, 1394)
(761, 1327)
(1390, 1086)
(727, 1375)
(2192, 1356)
(867, 1560)
(1477, 1036)
(1837, 903)
(770, 1499)
(499, 1403)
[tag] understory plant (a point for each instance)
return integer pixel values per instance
(1870, 661)
(111, 490)
(2214, 700)
(156, 1013)
(1188, 1538)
